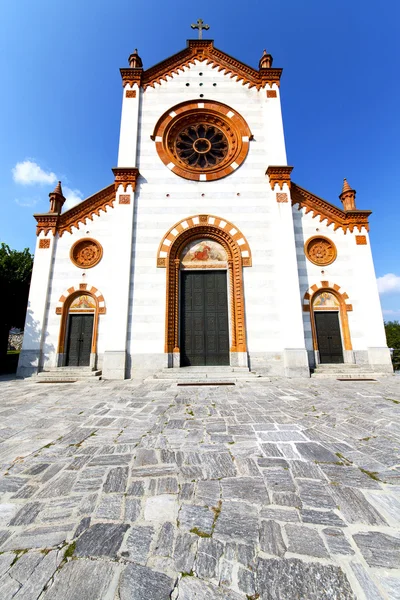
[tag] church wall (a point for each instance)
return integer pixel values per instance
(244, 198)
(353, 271)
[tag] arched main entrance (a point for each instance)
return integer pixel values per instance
(79, 309)
(328, 308)
(204, 256)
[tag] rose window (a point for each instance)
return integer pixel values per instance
(201, 146)
(86, 253)
(320, 251)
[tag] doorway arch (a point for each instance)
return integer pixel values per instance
(238, 254)
(341, 306)
(95, 307)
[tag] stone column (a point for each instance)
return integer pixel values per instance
(30, 358)
(292, 334)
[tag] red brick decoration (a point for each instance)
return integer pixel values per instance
(130, 93)
(282, 197)
(44, 243)
(361, 240)
(82, 287)
(124, 199)
(206, 221)
(271, 94)
(214, 114)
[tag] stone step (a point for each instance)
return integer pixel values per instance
(66, 379)
(213, 376)
(77, 374)
(349, 376)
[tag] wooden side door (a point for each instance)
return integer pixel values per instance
(79, 342)
(329, 338)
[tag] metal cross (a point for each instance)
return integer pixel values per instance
(199, 25)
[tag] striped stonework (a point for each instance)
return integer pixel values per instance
(82, 288)
(201, 221)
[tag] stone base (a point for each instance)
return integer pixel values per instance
(380, 360)
(296, 362)
(238, 359)
(28, 363)
(114, 365)
(267, 363)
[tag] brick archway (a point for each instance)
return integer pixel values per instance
(344, 307)
(64, 304)
(239, 255)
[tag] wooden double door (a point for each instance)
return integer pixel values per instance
(329, 338)
(204, 328)
(79, 339)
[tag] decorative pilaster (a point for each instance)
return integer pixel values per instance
(125, 176)
(279, 176)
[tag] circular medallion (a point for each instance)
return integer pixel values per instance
(86, 253)
(202, 141)
(320, 250)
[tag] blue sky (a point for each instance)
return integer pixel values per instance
(61, 98)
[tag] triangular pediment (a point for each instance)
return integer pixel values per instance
(201, 50)
(345, 219)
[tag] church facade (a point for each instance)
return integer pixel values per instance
(202, 250)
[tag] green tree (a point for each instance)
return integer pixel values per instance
(392, 329)
(15, 277)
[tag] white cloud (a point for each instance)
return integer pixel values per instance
(29, 172)
(72, 197)
(388, 283)
(27, 202)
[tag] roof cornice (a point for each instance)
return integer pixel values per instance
(348, 220)
(201, 50)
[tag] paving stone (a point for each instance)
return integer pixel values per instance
(349, 476)
(354, 507)
(101, 539)
(207, 558)
(387, 504)
(245, 488)
(142, 583)
(11, 484)
(83, 525)
(271, 450)
(136, 488)
(279, 480)
(110, 507)
(7, 512)
(237, 520)
(165, 540)
(111, 460)
(87, 504)
(289, 515)
(368, 586)
(271, 540)
(199, 518)
(337, 542)
(207, 492)
(305, 470)
(132, 509)
(217, 465)
(191, 588)
(39, 537)
(26, 515)
(86, 579)
(389, 583)
(185, 551)
(4, 535)
(116, 480)
(281, 436)
(286, 499)
(138, 543)
(304, 540)
(5, 561)
(316, 452)
(34, 572)
(61, 485)
(293, 579)
(320, 517)
(379, 549)
(161, 508)
(316, 494)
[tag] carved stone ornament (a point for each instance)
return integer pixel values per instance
(44, 243)
(86, 253)
(320, 250)
(361, 240)
(125, 176)
(279, 175)
(202, 141)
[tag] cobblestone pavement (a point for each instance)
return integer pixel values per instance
(149, 491)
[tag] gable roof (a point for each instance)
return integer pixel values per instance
(345, 219)
(202, 50)
(77, 214)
